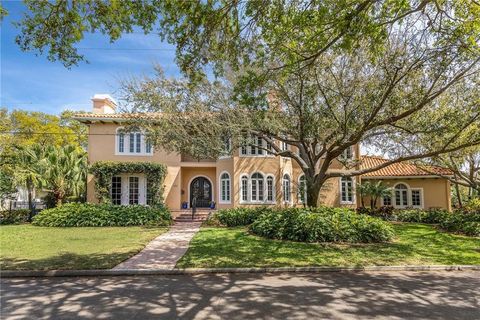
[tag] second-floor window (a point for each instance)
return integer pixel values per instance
(257, 148)
(132, 143)
(347, 154)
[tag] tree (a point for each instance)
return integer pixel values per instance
(403, 102)
(375, 191)
(20, 128)
(59, 170)
(266, 34)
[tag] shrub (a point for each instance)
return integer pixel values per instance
(385, 212)
(421, 216)
(321, 225)
(101, 215)
(468, 224)
(14, 216)
(239, 216)
(473, 206)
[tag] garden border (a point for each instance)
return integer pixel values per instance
(195, 271)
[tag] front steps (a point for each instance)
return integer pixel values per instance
(186, 215)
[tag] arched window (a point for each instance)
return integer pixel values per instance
(302, 189)
(401, 195)
(346, 189)
(244, 189)
(225, 189)
(257, 187)
(286, 188)
(270, 189)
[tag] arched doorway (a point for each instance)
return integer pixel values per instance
(201, 190)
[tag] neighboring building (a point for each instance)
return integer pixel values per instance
(248, 177)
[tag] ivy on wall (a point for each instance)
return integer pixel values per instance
(105, 170)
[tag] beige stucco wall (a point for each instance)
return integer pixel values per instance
(436, 191)
(101, 147)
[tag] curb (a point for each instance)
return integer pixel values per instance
(195, 271)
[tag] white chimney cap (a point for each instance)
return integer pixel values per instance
(104, 96)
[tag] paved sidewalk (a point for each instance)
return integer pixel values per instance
(165, 250)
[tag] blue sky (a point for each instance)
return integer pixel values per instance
(33, 83)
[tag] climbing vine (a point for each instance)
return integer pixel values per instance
(105, 170)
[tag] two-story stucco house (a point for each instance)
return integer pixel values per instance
(248, 177)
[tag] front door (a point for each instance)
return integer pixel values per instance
(200, 192)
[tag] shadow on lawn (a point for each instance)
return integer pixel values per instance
(242, 296)
(67, 261)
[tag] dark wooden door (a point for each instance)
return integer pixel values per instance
(200, 192)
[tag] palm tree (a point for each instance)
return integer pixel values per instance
(364, 190)
(59, 170)
(378, 190)
(27, 171)
(63, 172)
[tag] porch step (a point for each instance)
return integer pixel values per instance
(186, 215)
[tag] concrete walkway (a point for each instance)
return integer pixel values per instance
(165, 250)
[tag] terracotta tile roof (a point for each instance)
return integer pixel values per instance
(400, 169)
(82, 117)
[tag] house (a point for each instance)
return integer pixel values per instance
(248, 177)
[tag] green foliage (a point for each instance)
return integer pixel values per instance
(321, 225)
(468, 224)
(102, 215)
(105, 170)
(14, 216)
(459, 221)
(473, 206)
(421, 216)
(238, 216)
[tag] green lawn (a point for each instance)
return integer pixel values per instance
(40, 248)
(415, 244)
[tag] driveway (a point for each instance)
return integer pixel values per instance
(405, 295)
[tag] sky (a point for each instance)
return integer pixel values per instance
(34, 83)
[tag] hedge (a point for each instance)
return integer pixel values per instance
(237, 216)
(459, 221)
(14, 216)
(101, 215)
(321, 225)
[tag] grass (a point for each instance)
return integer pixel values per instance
(414, 244)
(26, 247)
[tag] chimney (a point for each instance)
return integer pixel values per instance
(103, 103)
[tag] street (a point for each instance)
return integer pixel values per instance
(382, 295)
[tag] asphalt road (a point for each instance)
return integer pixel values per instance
(395, 295)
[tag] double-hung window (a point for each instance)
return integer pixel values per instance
(286, 188)
(225, 191)
(132, 143)
(346, 190)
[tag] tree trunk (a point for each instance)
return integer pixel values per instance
(30, 198)
(313, 192)
(459, 196)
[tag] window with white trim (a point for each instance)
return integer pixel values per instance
(346, 190)
(401, 195)
(256, 148)
(302, 189)
(417, 198)
(133, 190)
(347, 154)
(225, 190)
(387, 200)
(132, 143)
(270, 189)
(227, 147)
(116, 190)
(244, 189)
(257, 187)
(286, 186)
